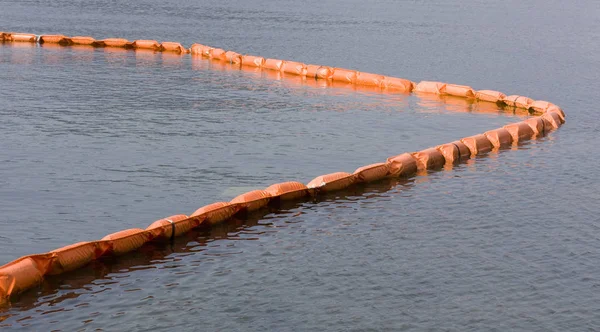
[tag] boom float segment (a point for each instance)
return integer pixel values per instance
(28, 271)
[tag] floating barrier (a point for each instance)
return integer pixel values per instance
(173, 47)
(217, 212)
(201, 50)
(367, 79)
(477, 144)
(519, 131)
(146, 45)
(273, 64)
(402, 165)
(518, 101)
(437, 88)
(170, 227)
(288, 191)
(454, 152)
(253, 200)
(459, 91)
(500, 138)
(397, 84)
(373, 172)
(490, 95)
(233, 57)
(216, 53)
(429, 159)
(344, 75)
(293, 68)
(113, 42)
(74, 256)
(253, 61)
(55, 39)
(83, 40)
(332, 182)
(26, 272)
(20, 37)
(319, 72)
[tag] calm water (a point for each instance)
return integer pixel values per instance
(95, 141)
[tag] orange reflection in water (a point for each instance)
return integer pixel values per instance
(433, 103)
(146, 58)
(21, 52)
(171, 59)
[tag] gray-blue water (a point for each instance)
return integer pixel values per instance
(95, 141)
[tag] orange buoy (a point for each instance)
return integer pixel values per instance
(459, 91)
(429, 159)
(273, 64)
(500, 138)
(538, 125)
(293, 68)
(368, 79)
(233, 57)
(252, 200)
(200, 50)
(430, 87)
(397, 84)
(146, 45)
(126, 240)
(170, 227)
(173, 47)
(252, 61)
(287, 190)
(332, 182)
(540, 105)
(454, 152)
(520, 131)
(216, 53)
(319, 72)
(55, 39)
(372, 172)
(553, 118)
(344, 75)
(84, 40)
(76, 255)
(478, 144)
(217, 212)
(518, 101)
(490, 95)
(22, 37)
(554, 108)
(115, 42)
(402, 165)
(22, 274)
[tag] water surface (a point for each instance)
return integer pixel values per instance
(95, 141)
